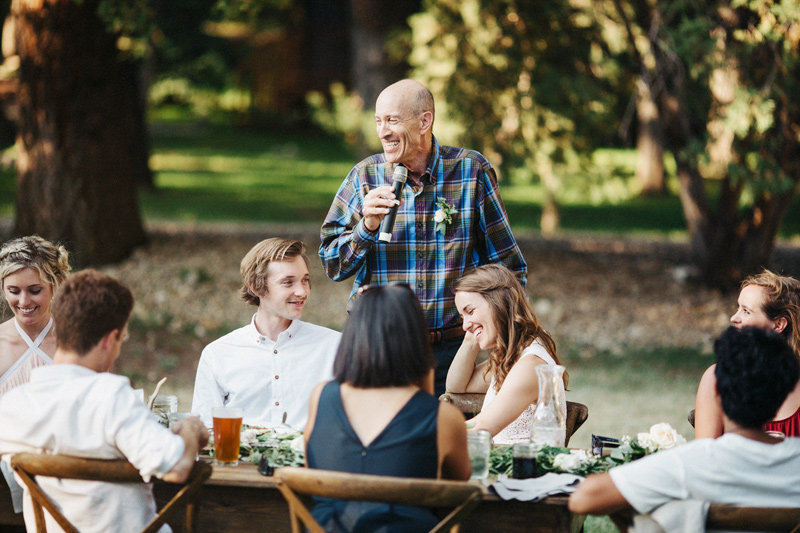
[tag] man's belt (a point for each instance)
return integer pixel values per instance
(445, 334)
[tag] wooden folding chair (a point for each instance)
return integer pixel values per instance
(577, 414)
(461, 496)
(470, 404)
(30, 465)
(736, 518)
(726, 517)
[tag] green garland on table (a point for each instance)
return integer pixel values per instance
(565, 461)
(278, 449)
(276, 446)
(580, 464)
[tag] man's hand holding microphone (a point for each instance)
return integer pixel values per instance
(380, 204)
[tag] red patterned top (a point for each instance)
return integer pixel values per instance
(788, 426)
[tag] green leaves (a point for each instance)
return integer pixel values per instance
(276, 447)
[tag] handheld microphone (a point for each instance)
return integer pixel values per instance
(387, 224)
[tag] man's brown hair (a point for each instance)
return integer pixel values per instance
(255, 263)
(87, 306)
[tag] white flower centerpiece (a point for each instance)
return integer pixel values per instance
(660, 437)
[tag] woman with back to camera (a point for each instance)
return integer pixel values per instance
(770, 302)
(31, 269)
(498, 317)
(379, 416)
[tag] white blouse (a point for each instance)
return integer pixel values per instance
(520, 429)
(20, 371)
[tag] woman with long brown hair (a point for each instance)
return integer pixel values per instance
(498, 317)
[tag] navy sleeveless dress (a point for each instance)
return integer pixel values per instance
(407, 447)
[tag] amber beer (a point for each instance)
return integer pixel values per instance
(227, 430)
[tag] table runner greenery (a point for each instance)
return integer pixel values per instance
(284, 448)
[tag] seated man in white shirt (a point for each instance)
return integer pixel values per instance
(75, 407)
(269, 367)
(755, 372)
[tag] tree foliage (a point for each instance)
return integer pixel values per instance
(533, 83)
(727, 76)
(82, 144)
(523, 78)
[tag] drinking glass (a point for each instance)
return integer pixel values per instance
(479, 445)
(227, 431)
(524, 460)
(163, 405)
(176, 417)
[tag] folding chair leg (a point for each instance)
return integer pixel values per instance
(191, 516)
(298, 512)
(450, 522)
(39, 515)
(41, 499)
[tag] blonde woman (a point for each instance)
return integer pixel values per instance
(31, 269)
(498, 317)
(771, 302)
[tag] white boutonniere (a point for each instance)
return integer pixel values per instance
(444, 215)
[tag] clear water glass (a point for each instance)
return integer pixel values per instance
(479, 445)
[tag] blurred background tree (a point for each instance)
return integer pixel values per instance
(81, 140)
(724, 79)
(525, 81)
(536, 86)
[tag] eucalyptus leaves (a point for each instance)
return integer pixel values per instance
(281, 449)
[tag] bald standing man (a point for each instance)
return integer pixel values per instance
(427, 251)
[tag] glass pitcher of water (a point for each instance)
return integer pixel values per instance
(549, 422)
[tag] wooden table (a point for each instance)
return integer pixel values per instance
(242, 500)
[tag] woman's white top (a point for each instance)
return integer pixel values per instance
(20, 371)
(520, 429)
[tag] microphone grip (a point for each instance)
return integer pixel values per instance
(387, 224)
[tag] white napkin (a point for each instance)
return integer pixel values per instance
(535, 489)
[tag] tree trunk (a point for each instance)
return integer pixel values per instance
(80, 149)
(727, 244)
(649, 143)
(550, 215)
(368, 32)
(372, 22)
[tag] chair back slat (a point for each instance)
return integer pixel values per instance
(577, 414)
(737, 518)
(727, 517)
(460, 495)
(384, 489)
(69, 467)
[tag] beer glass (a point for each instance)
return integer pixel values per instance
(227, 430)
